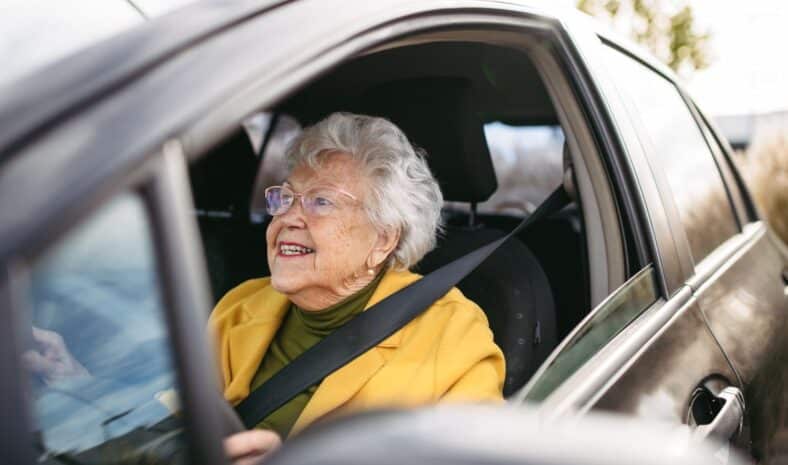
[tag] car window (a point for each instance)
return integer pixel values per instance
(102, 382)
(674, 144)
(726, 165)
(528, 165)
(601, 326)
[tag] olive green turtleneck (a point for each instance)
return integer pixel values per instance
(300, 330)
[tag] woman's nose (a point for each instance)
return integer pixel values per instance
(295, 215)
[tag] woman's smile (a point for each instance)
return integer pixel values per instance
(293, 249)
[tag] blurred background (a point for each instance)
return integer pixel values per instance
(730, 57)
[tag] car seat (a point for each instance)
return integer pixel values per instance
(438, 115)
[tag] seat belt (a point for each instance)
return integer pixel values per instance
(372, 326)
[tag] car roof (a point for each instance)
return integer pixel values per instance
(84, 76)
(64, 28)
(79, 79)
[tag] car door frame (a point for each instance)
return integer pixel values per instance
(161, 181)
(675, 304)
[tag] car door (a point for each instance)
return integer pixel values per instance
(742, 289)
(646, 350)
(736, 266)
(104, 295)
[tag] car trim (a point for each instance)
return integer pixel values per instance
(589, 383)
(15, 421)
(646, 273)
(749, 211)
(650, 208)
(186, 287)
(726, 254)
(728, 181)
(603, 229)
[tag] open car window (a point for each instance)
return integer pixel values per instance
(516, 157)
(101, 371)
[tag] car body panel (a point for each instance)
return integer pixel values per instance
(100, 69)
(744, 288)
(645, 387)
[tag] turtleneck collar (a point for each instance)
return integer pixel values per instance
(324, 322)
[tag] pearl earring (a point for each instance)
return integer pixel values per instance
(370, 271)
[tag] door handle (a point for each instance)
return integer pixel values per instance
(728, 419)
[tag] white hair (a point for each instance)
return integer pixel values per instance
(404, 195)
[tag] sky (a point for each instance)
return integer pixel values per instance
(749, 71)
(746, 76)
(748, 66)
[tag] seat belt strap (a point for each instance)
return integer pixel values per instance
(372, 326)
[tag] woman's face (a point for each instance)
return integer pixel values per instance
(319, 260)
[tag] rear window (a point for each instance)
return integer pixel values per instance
(675, 145)
(528, 162)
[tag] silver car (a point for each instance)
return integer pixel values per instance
(131, 173)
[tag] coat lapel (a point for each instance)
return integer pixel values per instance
(249, 341)
(340, 386)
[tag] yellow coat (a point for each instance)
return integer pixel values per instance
(445, 354)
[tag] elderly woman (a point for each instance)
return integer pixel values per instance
(358, 209)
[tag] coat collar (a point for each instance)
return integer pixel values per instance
(265, 312)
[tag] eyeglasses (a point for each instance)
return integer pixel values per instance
(318, 201)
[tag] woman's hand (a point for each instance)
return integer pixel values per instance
(251, 447)
(51, 359)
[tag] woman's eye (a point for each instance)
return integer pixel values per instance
(323, 202)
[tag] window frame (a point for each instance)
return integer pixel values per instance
(734, 198)
(571, 96)
(160, 182)
(540, 387)
(596, 152)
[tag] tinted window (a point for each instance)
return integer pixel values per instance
(102, 377)
(674, 143)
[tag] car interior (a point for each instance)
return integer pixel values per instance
(450, 98)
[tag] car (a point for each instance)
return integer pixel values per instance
(131, 175)
(498, 435)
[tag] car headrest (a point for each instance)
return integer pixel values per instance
(439, 115)
(222, 179)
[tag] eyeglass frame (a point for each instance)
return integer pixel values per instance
(301, 196)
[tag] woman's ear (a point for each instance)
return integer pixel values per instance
(385, 243)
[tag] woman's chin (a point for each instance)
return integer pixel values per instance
(284, 284)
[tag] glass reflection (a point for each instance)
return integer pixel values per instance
(102, 380)
(602, 325)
